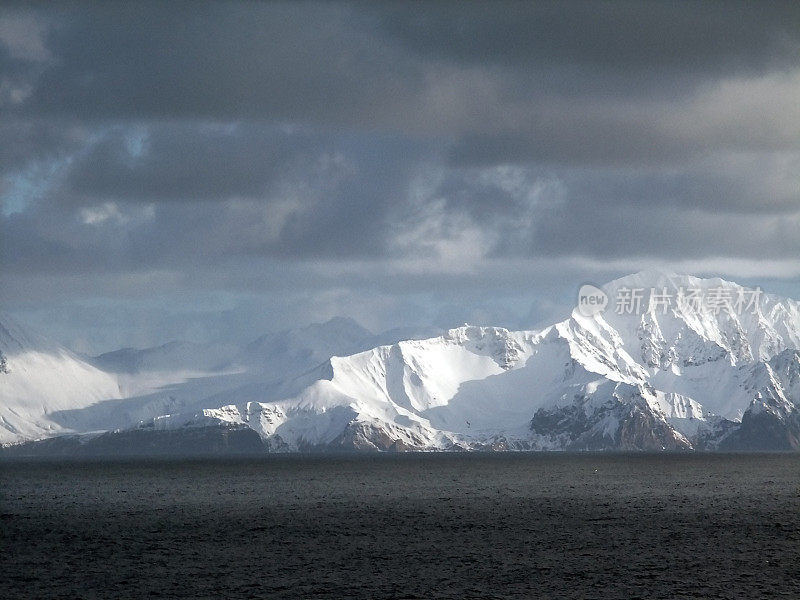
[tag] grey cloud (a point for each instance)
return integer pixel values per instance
(753, 183)
(185, 162)
(281, 61)
(570, 139)
(370, 66)
(420, 158)
(198, 193)
(355, 199)
(618, 36)
(592, 83)
(24, 142)
(589, 229)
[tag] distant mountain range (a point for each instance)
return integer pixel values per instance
(654, 362)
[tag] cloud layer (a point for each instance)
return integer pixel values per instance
(398, 163)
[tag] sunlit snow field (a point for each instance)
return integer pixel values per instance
(407, 526)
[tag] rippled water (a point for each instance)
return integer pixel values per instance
(409, 526)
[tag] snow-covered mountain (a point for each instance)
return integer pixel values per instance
(48, 390)
(172, 356)
(42, 378)
(673, 362)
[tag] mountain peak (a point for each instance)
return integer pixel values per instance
(473, 332)
(653, 278)
(341, 324)
(656, 279)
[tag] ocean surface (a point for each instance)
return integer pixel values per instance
(403, 526)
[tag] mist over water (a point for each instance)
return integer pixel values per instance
(412, 526)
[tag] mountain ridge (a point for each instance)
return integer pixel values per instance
(682, 376)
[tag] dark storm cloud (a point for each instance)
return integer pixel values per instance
(601, 83)
(179, 162)
(619, 36)
(343, 62)
(169, 195)
(217, 60)
(591, 83)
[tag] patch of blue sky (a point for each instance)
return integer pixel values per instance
(21, 189)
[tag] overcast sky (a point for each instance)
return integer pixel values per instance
(215, 171)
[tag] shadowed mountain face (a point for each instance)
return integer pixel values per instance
(671, 363)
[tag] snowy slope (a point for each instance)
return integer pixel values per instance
(50, 390)
(43, 378)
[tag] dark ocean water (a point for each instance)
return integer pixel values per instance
(408, 526)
